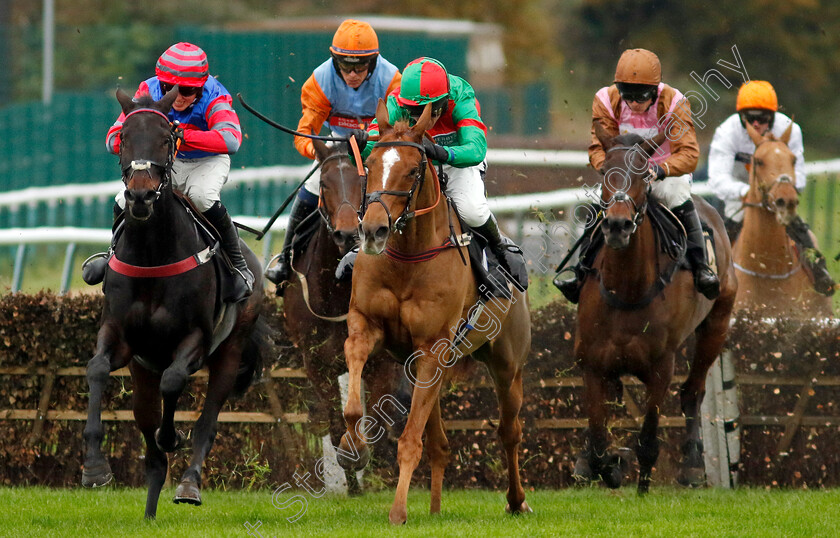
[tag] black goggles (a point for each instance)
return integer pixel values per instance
(348, 68)
(186, 91)
(415, 111)
(638, 96)
(761, 116)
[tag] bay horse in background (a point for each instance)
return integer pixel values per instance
(166, 321)
(631, 321)
(315, 303)
(772, 280)
(425, 314)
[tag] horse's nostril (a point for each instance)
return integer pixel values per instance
(149, 197)
(780, 203)
(381, 233)
(627, 224)
(129, 195)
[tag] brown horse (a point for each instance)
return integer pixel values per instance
(631, 321)
(315, 304)
(772, 279)
(418, 309)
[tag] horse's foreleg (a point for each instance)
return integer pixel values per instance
(426, 394)
(596, 387)
(222, 379)
(509, 391)
(353, 452)
(111, 354)
(647, 450)
(146, 403)
(187, 355)
(438, 449)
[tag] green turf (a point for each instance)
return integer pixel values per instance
(588, 512)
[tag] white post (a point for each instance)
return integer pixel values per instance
(720, 424)
(49, 51)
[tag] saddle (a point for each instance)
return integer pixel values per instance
(491, 279)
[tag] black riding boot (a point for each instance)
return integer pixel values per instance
(705, 280)
(229, 237)
(811, 257)
(570, 286)
(93, 269)
(282, 271)
(507, 252)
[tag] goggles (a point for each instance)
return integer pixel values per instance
(348, 68)
(638, 96)
(438, 107)
(186, 91)
(761, 116)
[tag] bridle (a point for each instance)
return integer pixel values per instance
(376, 196)
(325, 215)
(764, 189)
(621, 196)
(145, 165)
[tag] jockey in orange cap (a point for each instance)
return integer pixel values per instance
(210, 134)
(758, 105)
(639, 102)
(341, 95)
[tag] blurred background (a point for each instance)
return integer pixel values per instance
(535, 64)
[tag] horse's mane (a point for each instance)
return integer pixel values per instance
(400, 128)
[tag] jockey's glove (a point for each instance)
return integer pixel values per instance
(435, 152)
(656, 172)
(742, 157)
(361, 137)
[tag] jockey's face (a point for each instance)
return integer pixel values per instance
(637, 107)
(183, 101)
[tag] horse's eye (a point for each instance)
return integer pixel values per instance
(758, 162)
(414, 171)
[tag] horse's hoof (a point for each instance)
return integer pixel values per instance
(345, 456)
(523, 509)
(692, 477)
(644, 486)
(178, 443)
(96, 476)
(398, 516)
(187, 492)
(612, 473)
(582, 472)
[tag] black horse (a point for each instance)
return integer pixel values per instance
(162, 313)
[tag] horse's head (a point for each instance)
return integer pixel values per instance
(624, 188)
(772, 176)
(147, 150)
(396, 171)
(341, 194)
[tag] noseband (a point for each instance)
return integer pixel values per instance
(376, 196)
(139, 165)
(622, 196)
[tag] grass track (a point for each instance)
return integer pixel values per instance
(588, 512)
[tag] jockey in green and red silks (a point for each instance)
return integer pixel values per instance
(459, 144)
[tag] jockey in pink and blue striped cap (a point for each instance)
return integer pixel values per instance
(210, 134)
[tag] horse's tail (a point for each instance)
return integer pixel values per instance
(254, 354)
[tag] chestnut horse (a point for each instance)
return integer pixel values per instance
(772, 279)
(165, 320)
(629, 324)
(315, 304)
(417, 311)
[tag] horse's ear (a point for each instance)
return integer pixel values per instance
(786, 135)
(602, 135)
(650, 145)
(321, 149)
(423, 123)
(125, 101)
(382, 117)
(166, 101)
(754, 136)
